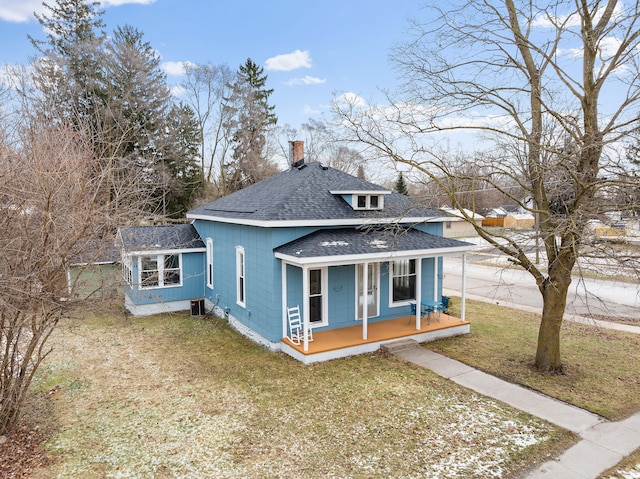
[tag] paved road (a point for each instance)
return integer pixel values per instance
(586, 296)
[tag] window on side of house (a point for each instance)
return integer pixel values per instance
(240, 277)
(210, 263)
(403, 273)
(160, 271)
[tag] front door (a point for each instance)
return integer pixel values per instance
(372, 297)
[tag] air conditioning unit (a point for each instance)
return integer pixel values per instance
(197, 307)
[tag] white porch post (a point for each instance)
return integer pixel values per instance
(418, 293)
(284, 298)
(365, 303)
(435, 278)
(464, 273)
(305, 300)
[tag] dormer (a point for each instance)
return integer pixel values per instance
(367, 200)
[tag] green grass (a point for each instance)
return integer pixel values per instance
(174, 396)
(602, 367)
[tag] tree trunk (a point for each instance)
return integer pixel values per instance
(554, 294)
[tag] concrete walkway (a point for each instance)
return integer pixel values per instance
(602, 445)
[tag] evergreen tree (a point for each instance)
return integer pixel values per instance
(401, 185)
(181, 161)
(139, 99)
(69, 73)
(251, 121)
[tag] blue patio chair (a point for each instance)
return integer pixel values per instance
(424, 311)
(446, 300)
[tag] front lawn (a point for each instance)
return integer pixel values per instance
(174, 396)
(602, 367)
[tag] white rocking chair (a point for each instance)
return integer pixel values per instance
(296, 329)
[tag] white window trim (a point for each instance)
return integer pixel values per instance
(354, 201)
(241, 277)
(391, 278)
(209, 263)
(324, 284)
(160, 263)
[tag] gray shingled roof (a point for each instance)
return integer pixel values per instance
(352, 241)
(304, 194)
(165, 237)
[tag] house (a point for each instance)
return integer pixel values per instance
(455, 226)
(502, 217)
(354, 257)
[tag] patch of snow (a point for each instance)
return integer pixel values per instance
(334, 243)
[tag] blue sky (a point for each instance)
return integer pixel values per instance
(310, 50)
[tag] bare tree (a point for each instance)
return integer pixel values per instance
(321, 144)
(553, 88)
(53, 217)
(206, 87)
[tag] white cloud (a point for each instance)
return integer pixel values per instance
(178, 91)
(289, 61)
(20, 11)
(175, 68)
(306, 80)
(351, 100)
(308, 110)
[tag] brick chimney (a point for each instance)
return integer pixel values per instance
(296, 153)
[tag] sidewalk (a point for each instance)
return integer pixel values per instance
(603, 444)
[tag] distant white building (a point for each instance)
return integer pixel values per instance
(456, 226)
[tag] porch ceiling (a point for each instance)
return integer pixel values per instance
(351, 245)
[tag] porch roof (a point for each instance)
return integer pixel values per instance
(352, 245)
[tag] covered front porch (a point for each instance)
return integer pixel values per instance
(348, 341)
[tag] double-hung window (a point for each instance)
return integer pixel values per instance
(240, 277)
(403, 274)
(210, 263)
(160, 270)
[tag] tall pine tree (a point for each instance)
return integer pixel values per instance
(69, 73)
(252, 119)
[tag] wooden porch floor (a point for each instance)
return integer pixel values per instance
(379, 331)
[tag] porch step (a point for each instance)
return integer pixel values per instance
(400, 345)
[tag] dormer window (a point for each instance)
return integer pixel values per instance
(363, 199)
(368, 202)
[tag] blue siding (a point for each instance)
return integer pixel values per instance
(192, 283)
(263, 311)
